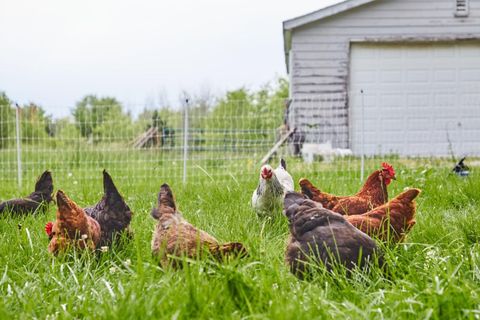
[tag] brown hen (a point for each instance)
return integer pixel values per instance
(373, 193)
(175, 237)
(73, 228)
(391, 221)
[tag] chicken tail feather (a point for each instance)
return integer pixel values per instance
(44, 183)
(231, 249)
(109, 187)
(166, 198)
(63, 202)
(166, 202)
(408, 195)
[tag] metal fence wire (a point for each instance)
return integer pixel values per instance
(223, 142)
(227, 141)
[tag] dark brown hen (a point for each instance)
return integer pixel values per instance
(37, 201)
(175, 237)
(320, 235)
(111, 212)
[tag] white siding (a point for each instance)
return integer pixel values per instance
(417, 98)
(321, 50)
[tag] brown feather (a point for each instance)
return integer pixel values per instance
(230, 249)
(372, 194)
(72, 228)
(327, 200)
(391, 221)
(175, 237)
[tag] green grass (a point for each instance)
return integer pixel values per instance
(435, 274)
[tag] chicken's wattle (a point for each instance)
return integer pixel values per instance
(48, 228)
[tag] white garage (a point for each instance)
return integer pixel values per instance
(418, 99)
(417, 62)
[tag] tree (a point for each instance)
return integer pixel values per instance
(7, 120)
(102, 118)
(270, 102)
(245, 117)
(34, 123)
(114, 125)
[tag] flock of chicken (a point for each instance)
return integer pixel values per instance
(334, 229)
(324, 228)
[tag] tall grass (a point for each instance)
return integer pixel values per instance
(435, 274)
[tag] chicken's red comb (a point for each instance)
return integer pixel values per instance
(48, 228)
(388, 167)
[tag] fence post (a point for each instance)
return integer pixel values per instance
(185, 141)
(362, 164)
(19, 147)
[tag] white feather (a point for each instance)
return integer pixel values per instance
(266, 203)
(285, 179)
(267, 199)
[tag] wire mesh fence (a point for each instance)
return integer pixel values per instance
(227, 140)
(224, 142)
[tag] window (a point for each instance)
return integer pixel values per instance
(461, 8)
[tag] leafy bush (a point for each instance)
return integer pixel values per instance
(7, 121)
(102, 119)
(34, 124)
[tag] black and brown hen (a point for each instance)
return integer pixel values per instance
(111, 212)
(37, 201)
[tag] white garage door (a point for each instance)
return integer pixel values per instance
(418, 99)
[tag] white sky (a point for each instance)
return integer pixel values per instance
(54, 52)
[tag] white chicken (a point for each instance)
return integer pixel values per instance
(273, 184)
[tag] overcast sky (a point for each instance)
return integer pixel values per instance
(55, 51)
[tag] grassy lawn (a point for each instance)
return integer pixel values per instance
(435, 274)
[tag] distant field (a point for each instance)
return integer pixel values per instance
(435, 274)
(76, 160)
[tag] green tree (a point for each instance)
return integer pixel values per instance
(270, 103)
(65, 129)
(115, 126)
(7, 120)
(102, 118)
(243, 118)
(34, 123)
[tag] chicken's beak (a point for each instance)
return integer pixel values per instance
(394, 178)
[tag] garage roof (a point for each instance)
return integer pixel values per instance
(288, 25)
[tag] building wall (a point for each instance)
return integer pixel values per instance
(319, 56)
